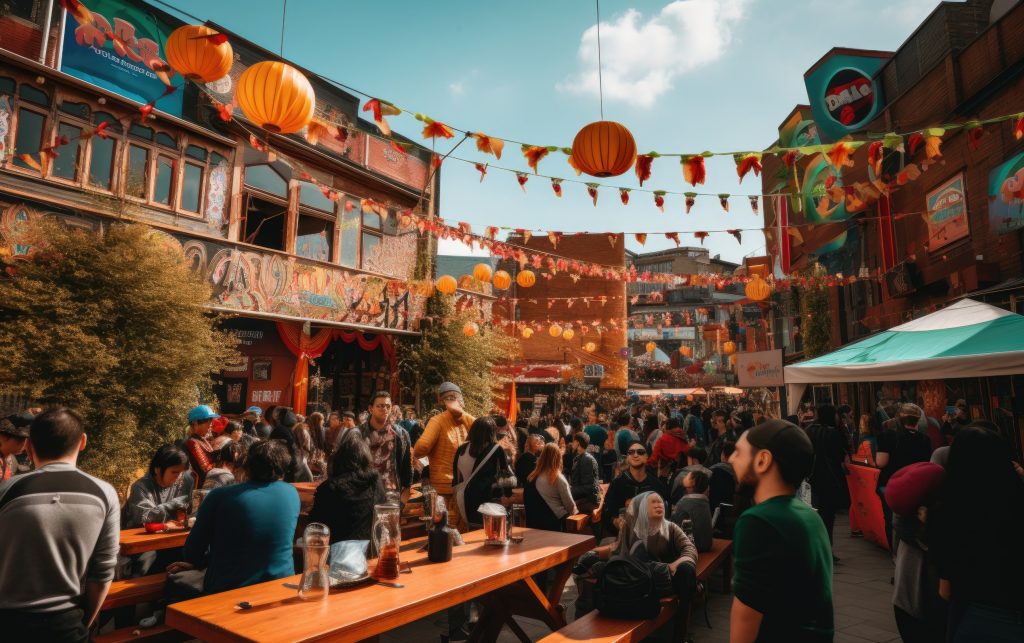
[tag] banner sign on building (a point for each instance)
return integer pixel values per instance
(844, 94)
(763, 368)
(947, 213)
(124, 64)
(1006, 196)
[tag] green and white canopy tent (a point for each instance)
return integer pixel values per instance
(967, 339)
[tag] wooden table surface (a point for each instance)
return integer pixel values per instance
(278, 614)
(136, 541)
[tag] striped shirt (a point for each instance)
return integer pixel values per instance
(59, 527)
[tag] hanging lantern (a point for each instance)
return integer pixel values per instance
(568, 334)
(758, 289)
(501, 280)
(729, 348)
(276, 96)
(446, 285)
(470, 329)
(199, 53)
(527, 333)
(555, 330)
(686, 351)
(604, 148)
(526, 279)
(482, 272)
(590, 347)
(651, 346)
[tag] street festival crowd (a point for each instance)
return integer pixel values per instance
(678, 475)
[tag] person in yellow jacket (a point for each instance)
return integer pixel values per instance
(441, 437)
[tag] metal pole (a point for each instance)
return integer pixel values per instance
(45, 44)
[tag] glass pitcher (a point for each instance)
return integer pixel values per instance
(387, 538)
(316, 547)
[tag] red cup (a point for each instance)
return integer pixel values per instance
(154, 527)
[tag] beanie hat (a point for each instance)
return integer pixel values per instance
(448, 387)
(913, 486)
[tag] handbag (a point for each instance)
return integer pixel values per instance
(460, 488)
(629, 587)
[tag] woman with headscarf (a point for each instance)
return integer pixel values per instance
(662, 541)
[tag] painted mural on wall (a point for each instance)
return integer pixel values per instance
(1006, 196)
(250, 281)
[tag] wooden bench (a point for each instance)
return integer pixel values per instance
(594, 627)
(132, 591)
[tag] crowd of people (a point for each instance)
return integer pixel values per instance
(677, 474)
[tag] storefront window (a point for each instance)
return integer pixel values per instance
(163, 188)
(191, 187)
(313, 239)
(28, 138)
(65, 165)
(351, 218)
(138, 163)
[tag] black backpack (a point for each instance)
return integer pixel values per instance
(629, 587)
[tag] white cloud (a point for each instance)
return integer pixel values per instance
(641, 58)
(456, 88)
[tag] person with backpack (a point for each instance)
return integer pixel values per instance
(634, 480)
(480, 472)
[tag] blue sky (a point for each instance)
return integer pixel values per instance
(684, 76)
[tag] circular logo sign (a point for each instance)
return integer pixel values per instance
(849, 97)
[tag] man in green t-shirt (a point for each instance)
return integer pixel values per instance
(782, 581)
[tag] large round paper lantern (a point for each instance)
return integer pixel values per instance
(604, 148)
(446, 285)
(482, 272)
(199, 53)
(527, 333)
(555, 330)
(470, 329)
(686, 351)
(758, 289)
(276, 96)
(729, 348)
(501, 280)
(526, 279)
(650, 347)
(568, 334)
(590, 347)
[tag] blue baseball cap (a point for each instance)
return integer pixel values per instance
(254, 409)
(201, 413)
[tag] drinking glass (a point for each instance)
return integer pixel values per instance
(518, 523)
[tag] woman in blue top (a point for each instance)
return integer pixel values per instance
(243, 532)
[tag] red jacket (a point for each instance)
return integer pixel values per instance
(669, 446)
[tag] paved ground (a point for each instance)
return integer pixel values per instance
(862, 597)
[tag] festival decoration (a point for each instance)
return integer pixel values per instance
(693, 169)
(533, 155)
(568, 334)
(380, 109)
(556, 186)
(747, 162)
(434, 129)
(643, 166)
(729, 348)
(470, 329)
(736, 233)
(590, 347)
(592, 191)
(624, 196)
(482, 272)
(686, 351)
(276, 97)
(757, 289)
(527, 333)
(522, 178)
(691, 198)
(501, 280)
(603, 149)
(199, 53)
(753, 205)
(723, 200)
(659, 199)
(650, 347)
(555, 330)
(526, 279)
(488, 144)
(446, 285)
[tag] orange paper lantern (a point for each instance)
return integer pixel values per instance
(651, 346)
(446, 285)
(590, 347)
(604, 148)
(501, 280)
(686, 351)
(555, 330)
(276, 96)
(568, 334)
(758, 289)
(482, 272)
(194, 52)
(526, 279)
(729, 348)
(527, 333)
(470, 329)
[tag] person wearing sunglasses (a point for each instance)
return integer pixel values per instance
(636, 478)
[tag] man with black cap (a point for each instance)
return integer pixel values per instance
(13, 438)
(441, 438)
(782, 560)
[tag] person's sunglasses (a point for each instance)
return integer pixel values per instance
(637, 452)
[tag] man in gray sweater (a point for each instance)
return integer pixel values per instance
(60, 530)
(694, 505)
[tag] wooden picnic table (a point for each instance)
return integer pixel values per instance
(138, 540)
(500, 578)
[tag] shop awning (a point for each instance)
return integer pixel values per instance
(967, 339)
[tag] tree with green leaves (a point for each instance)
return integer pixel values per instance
(816, 311)
(445, 353)
(113, 325)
